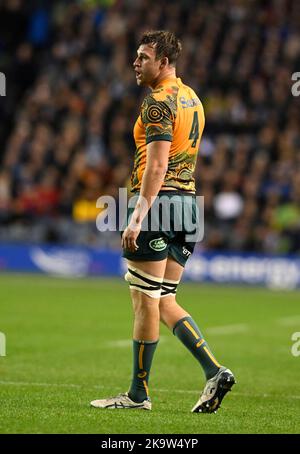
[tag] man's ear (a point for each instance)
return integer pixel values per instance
(164, 62)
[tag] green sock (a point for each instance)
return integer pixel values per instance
(143, 352)
(188, 332)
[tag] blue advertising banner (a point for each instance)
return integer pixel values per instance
(282, 272)
(60, 260)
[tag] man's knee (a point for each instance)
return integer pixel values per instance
(165, 307)
(168, 288)
(143, 282)
(143, 305)
(167, 297)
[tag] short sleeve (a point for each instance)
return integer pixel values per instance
(158, 119)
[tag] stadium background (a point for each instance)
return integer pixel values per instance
(66, 139)
(66, 121)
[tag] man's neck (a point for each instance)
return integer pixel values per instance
(169, 74)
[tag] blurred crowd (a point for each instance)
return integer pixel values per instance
(72, 100)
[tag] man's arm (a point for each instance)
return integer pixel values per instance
(152, 181)
(153, 177)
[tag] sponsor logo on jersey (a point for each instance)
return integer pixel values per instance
(189, 102)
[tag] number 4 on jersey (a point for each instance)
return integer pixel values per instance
(194, 134)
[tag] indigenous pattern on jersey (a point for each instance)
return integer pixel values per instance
(172, 112)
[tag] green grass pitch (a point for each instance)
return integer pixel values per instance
(68, 342)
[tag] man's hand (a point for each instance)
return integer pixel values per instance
(129, 237)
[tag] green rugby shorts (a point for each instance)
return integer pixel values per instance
(169, 229)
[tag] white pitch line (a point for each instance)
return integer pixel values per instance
(159, 390)
(119, 343)
(222, 330)
(293, 320)
(228, 329)
(127, 342)
(25, 383)
(265, 395)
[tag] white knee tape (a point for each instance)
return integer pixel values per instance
(144, 282)
(168, 288)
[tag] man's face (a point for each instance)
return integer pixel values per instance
(147, 69)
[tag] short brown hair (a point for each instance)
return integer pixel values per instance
(165, 42)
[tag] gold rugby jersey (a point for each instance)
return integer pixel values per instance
(172, 112)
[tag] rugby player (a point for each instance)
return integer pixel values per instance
(167, 135)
